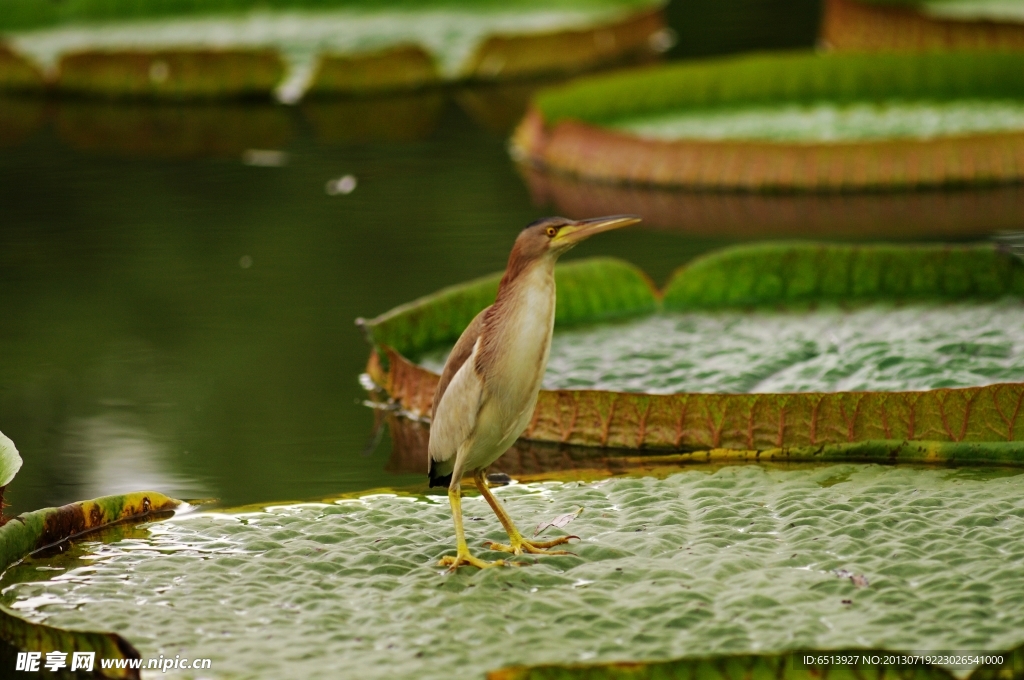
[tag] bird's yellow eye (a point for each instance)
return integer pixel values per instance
(551, 231)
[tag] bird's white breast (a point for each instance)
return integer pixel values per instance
(514, 379)
(527, 340)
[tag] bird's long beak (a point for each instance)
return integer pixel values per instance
(571, 234)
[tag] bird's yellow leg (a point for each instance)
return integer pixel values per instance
(517, 544)
(462, 555)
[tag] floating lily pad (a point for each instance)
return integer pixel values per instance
(916, 25)
(980, 424)
(794, 121)
(237, 49)
(702, 563)
(49, 529)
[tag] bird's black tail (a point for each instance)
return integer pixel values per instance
(436, 478)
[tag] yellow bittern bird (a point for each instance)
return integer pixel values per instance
(492, 377)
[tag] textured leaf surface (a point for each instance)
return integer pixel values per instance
(974, 424)
(33, 531)
(709, 561)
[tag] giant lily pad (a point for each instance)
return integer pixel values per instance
(794, 121)
(705, 563)
(979, 423)
(918, 25)
(50, 528)
(232, 48)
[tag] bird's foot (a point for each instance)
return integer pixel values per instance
(465, 559)
(520, 545)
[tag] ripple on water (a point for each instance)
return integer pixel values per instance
(880, 347)
(740, 559)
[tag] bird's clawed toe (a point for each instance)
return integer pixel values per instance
(533, 547)
(453, 562)
(553, 543)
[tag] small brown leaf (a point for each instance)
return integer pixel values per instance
(859, 580)
(559, 521)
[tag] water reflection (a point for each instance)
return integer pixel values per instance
(497, 107)
(20, 118)
(958, 213)
(398, 118)
(113, 453)
(227, 130)
(171, 131)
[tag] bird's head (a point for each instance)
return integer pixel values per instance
(552, 236)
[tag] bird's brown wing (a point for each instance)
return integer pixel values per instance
(456, 401)
(463, 350)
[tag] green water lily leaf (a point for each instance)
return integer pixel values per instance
(187, 50)
(10, 460)
(801, 273)
(667, 563)
(32, 531)
(745, 122)
(800, 77)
